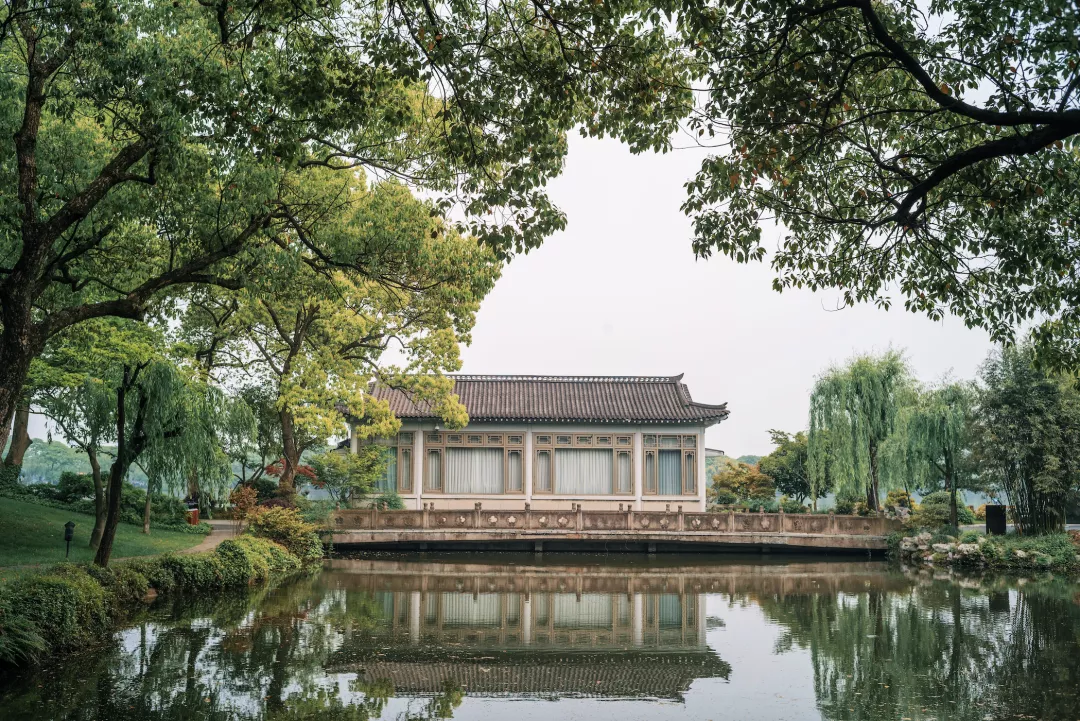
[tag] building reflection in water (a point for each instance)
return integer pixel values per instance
(532, 631)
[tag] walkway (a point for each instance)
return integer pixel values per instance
(577, 529)
(222, 530)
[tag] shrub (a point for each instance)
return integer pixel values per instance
(66, 606)
(389, 500)
(264, 487)
(933, 511)
(845, 504)
(277, 503)
(898, 498)
(724, 497)
(790, 505)
(969, 537)
(287, 527)
(980, 513)
(74, 487)
(316, 512)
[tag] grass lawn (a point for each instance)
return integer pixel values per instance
(33, 534)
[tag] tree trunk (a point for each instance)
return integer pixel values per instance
(20, 438)
(127, 450)
(950, 483)
(287, 481)
(872, 490)
(146, 509)
(17, 348)
(100, 509)
(116, 477)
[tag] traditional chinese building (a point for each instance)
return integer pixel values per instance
(600, 441)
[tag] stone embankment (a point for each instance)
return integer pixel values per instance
(1057, 552)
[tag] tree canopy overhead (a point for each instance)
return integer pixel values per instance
(919, 152)
(147, 147)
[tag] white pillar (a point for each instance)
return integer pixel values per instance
(526, 620)
(639, 469)
(702, 481)
(527, 466)
(414, 617)
(418, 467)
(638, 619)
(354, 441)
(702, 641)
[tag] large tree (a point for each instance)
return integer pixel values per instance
(1028, 437)
(789, 467)
(932, 442)
(853, 411)
(147, 147)
(923, 152)
(317, 331)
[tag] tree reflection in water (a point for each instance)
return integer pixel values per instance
(943, 649)
(407, 640)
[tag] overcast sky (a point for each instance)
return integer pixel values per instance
(619, 292)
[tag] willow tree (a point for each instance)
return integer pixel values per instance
(73, 385)
(932, 441)
(166, 422)
(855, 408)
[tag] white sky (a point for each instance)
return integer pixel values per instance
(620, 293)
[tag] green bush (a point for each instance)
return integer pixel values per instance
(287, 527)
(969, 537)
(845, 504)
(389, 500)
(69, 607)
(316, 512)
(792, 506)
(74, 487)
(933, 511)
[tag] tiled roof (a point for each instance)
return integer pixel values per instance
(595, 399)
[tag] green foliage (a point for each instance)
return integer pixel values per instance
(901, 152)
(745, 484)
(933, 512)
(287, 527)
(790, 505)
(788, 466)
(1028, 437)
(347, 476)
(389, 500)
(71, 607)
(74, 487)
(898, 498)
(852, 412)
(9, 476)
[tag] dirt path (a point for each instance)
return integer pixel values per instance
(223, 530)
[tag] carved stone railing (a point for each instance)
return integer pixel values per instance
(577, 520)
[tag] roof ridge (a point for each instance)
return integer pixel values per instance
(562, 378)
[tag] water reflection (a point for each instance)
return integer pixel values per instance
(610, 638)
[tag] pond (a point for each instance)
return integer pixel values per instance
(568, 636)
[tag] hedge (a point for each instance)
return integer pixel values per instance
(70, 606)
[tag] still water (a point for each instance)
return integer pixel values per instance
(587, 637)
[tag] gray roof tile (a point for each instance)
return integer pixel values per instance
(591, 399)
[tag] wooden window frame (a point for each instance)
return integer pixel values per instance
(583, 440)
(506, 442)
(686, 444)
(402, 444)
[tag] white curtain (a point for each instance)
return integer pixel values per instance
(474, 470)
(542, 482)
(592, 611)
(515, 480)
(583, 471)
(434, 470)
(388, 481)
(624, 484)
(460, 609)
(670, 472)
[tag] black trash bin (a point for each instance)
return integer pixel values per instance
(995, 520)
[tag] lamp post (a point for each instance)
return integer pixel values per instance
(69, 533)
